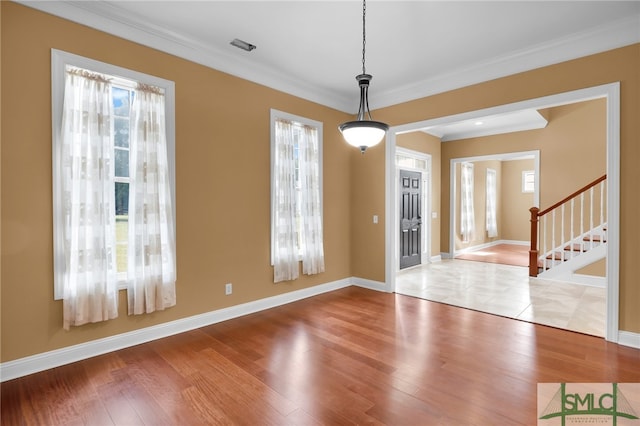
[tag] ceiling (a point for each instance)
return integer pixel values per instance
(313, 49)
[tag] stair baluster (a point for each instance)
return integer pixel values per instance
(576, 245)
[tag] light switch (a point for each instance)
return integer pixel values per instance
(434, 215)
(375, 218)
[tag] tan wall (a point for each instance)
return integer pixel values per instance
(223, 229)
(621, 65)
(515, 223)
(222, 184)
(597, 269)
(575, 132)
(423, 142)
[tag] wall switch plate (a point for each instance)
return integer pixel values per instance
(375, 218)
(434, 215)
(228, 289)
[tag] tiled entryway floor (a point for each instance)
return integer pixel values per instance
(508, 291)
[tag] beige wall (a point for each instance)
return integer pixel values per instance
(597, 269)
(515, 224)
(222, 184)
(223, 223)
(576, 132)
(621, 65)
(423, 142)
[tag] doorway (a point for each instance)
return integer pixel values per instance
(410, 218)
(413, 204)
(610, 92)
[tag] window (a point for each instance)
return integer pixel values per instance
(528, 181)
(113, 167)
(122, 99)
(296, 196)
(491, 204)
(467, 215)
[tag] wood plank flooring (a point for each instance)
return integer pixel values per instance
(352, 356)
(506, 254)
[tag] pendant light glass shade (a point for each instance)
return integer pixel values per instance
(363, 133)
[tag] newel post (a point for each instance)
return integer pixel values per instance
(533, 251)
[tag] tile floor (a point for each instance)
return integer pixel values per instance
(508, 291)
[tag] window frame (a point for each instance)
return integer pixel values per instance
(318, 125)
(121, 77)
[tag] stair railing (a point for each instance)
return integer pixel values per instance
(553, 253)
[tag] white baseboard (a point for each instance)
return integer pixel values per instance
(627, 338)
(491, 244)
(56, 358)
(589, 280)
(437, 258)
(370, 284)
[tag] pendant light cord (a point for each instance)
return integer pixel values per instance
(364, 33)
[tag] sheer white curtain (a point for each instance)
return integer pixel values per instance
(151, 273)
(492, 221)
(467, 215)
(297, 203)
(311, 240)
(88, 271)
(285, 244)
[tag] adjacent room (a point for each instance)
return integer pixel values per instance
(493, 190)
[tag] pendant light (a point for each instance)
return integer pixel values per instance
(363, 132)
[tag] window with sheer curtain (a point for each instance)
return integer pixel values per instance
(113, 190)
(467, 215)
(296, 196)
(491, 213)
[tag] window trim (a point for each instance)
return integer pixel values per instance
(59, 61)
(274, 114)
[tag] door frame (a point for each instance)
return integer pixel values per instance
(425, 243)
(611, 92)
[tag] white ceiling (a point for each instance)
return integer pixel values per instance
(313, 49)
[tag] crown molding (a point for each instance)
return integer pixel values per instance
(617, 34)
(110, 19)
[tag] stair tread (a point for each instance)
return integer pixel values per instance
(574, 247)
(557, 256)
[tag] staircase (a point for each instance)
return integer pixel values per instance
(570, 234)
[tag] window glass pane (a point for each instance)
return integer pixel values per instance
(420, 164)
(121, 101)
(122, 162)
(122, 224)
(121, 130)
(403, 161)
(122, 198)
(528, 181)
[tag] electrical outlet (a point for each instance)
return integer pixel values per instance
(228, 289)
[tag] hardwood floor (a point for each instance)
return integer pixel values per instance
(352, 356)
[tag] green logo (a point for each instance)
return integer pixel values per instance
(565, 404)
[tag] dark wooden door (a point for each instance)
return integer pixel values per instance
(410, 218)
